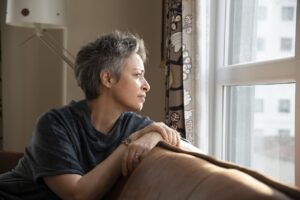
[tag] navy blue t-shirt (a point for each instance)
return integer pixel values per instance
(64, 141)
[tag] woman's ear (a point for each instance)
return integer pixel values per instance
(106, 78)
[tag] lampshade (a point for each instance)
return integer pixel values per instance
(40, 15)
(30, 13)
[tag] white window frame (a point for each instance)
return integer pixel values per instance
(247, 74)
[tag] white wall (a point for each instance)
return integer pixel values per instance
(31, 82)
(33, 77)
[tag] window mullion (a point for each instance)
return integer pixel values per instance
(282, 71)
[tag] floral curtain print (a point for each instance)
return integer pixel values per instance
(185, 55)
(172, 59)
(176, 56)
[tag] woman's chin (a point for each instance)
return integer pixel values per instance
(138, 108)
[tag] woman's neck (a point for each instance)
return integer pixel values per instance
(103, 114)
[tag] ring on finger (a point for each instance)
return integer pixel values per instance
(137, 156)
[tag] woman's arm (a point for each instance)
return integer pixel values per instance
(168, 134)
(92, 185)
(98, 181)
(125, 158)
(137, 150)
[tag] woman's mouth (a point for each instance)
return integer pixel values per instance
(143, 97)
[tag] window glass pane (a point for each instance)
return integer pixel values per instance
(260, 129)
(286, 44)
(262, 13)
(287, 13)
(260, 30)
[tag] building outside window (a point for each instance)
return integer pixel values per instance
(284, 133)
(284, 106)
(259, 105)
(286, 44)
(262, 13)
(260, 44)
(287, 13)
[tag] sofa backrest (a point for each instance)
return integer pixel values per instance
(8, 160)
(170, 173)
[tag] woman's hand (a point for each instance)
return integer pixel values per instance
(168, 134)
(137, 150)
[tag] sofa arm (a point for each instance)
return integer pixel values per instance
(8, 160)
(170, 173)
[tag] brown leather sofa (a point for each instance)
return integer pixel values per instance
(8, 160)
(170, 173)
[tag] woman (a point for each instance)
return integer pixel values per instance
(79, 150)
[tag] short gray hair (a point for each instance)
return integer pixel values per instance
(107, 52)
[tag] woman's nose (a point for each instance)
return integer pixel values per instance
(146, 86)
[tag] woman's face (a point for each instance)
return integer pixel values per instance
(131, 88)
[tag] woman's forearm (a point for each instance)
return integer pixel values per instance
(92, 185)
(98, 181)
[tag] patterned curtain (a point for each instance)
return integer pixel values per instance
(185, 56)
(172, 59)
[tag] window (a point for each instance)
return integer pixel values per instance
(259, 105)
(266, 151)
(284, 106)
(255, 87)
(287, 13)
(260, 44)
(262, 13)
(258, 132)
(284, 133)
(286, 44)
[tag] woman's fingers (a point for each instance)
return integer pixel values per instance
(127, 163)
(178, 139)
(131, 158)
(124, 163)
(175, 138)
(168, 134)
(137, 159)
(173, 135)
(135, 152)
(156, 127)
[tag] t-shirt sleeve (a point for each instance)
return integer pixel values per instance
(141, 122)
(51, 151)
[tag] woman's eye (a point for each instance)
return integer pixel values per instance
(138, 75)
